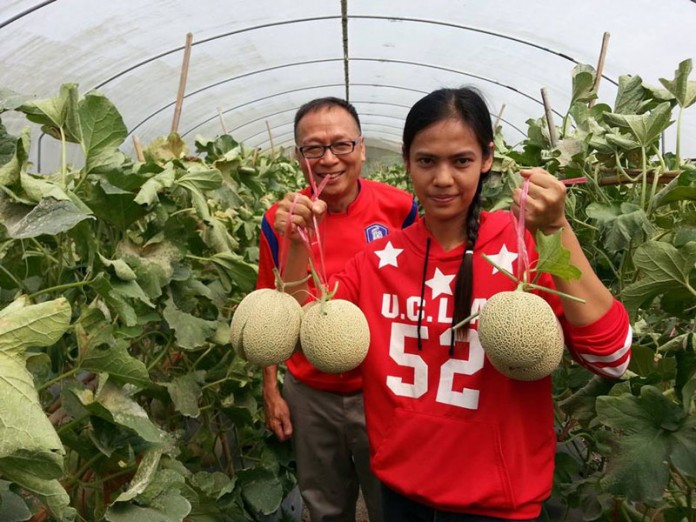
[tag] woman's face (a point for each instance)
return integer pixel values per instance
(445, 163)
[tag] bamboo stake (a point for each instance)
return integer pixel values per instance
(270, 137)
(600, 65)
(549, 117)
(222, 121)
(138, 149)
(500, 116)
(182, 82)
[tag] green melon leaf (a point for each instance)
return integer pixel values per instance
(261, 490)
(50, 492)
(56, 114)
(117, 362)
(14, 156)
(665, 269)
(682, 89)
(28, 441)
(554, 259)
(653, 431)
(185, 392)
(103, 131)
(50, 217)
(647, 127)
(12, 506)
(190, 331)
(23, 325)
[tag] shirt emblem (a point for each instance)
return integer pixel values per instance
(375, 231)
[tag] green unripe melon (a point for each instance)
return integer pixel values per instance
(266, 326)
(334, 336)
(521, 335)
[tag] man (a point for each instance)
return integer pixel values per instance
(323, 413)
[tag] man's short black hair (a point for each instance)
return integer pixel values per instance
(325, 103)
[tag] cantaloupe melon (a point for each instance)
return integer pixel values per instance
(521, 335)
(334, 335)
(265, 327)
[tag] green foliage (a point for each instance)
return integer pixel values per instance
(627, 448)
(122, 399)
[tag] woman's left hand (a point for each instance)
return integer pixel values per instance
(545, 203)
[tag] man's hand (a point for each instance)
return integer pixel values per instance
(277, 413)
(303, 211)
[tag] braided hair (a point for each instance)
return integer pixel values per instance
(465, 104)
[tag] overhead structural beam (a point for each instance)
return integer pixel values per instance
(295, 64)
(344, 30)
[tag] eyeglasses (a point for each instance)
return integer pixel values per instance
(339, 148)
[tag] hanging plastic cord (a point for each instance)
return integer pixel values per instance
(305, 235)
(316, 191)
(523, 256)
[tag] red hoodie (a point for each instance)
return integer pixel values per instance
(448, 430)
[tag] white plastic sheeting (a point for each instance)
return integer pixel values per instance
(254, 62)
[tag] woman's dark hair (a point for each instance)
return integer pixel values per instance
(467, 105)
(325, 103)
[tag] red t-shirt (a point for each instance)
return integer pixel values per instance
(378, 210)
(450, 431)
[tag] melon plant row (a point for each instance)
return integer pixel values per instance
(123, 399)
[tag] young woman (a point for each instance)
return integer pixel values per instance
(451, 438)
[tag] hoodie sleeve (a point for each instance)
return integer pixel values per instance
(603, 347)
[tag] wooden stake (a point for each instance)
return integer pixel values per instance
(182, 82)
(138, 149)
(600, 65)
(549, 117)
(270, 137)
(222, 121)
(500, 116)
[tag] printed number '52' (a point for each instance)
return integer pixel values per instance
(466, 398)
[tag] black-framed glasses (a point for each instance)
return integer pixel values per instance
(338, 148)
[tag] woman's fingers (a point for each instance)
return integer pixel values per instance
(545, 201)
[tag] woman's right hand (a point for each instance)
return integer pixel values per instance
(303, 212)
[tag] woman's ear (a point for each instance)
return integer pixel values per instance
(487, 163)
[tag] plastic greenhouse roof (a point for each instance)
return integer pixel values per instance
(254, 62)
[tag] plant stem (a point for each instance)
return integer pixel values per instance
(465, 321)
(60, 377)
(678, 148)
(63, 158)
(16, 281)
(60, 288)
(555, 292)
(644, 190)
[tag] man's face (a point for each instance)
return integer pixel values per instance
(326, 127)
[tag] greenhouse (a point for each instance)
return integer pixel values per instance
(146, 149)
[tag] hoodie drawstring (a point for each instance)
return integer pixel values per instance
(421, 310)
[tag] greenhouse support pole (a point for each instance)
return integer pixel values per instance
(600, 65)
(499, 117)
(549, 117)
(138, 149)
(182, 82)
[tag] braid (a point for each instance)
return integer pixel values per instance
(464, 283)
